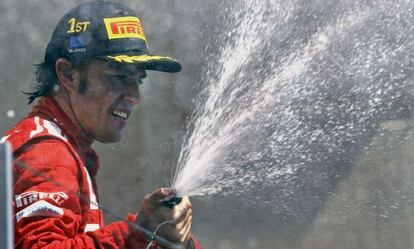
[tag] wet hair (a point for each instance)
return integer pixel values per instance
(46, 79)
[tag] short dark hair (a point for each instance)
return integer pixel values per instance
(46, 79)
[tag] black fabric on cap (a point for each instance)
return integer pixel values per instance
(108, 31)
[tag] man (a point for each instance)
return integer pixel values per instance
(88, 86)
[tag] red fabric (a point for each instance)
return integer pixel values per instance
(50, 174)
(196, 243)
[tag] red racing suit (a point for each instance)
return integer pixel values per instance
(55, 194)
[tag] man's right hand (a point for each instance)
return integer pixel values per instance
(152, 213)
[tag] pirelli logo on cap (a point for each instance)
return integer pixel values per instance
(124, 27)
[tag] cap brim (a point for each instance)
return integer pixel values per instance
(150, 62)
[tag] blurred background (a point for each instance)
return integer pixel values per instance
(359, 195)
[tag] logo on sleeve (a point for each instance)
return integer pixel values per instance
(40, 208)
(124, 27)
(32, 196)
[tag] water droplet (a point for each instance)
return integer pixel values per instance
(11, 113)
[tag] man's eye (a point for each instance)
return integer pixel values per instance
(118, 78)
(124, 80)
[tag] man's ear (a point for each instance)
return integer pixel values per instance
(67, 76)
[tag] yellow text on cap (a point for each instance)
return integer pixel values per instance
(124, 27)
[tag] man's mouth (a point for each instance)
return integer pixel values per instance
(120, 113)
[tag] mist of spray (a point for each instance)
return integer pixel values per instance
(283, 100)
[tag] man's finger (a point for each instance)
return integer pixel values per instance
(185, 201)
(185, 232)
(184, 205)
(162, 193)
(180, 213)
(156, 197)
(184, 225)
(183, 219)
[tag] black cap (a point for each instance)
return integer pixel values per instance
(105, 30)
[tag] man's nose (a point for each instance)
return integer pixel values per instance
(132, 94)
(131, 91)
(132, 98)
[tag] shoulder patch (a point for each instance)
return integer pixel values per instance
(45, 127)
(30, 128)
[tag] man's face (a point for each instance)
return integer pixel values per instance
(107, 95)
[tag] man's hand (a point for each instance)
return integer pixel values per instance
(152, 213)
